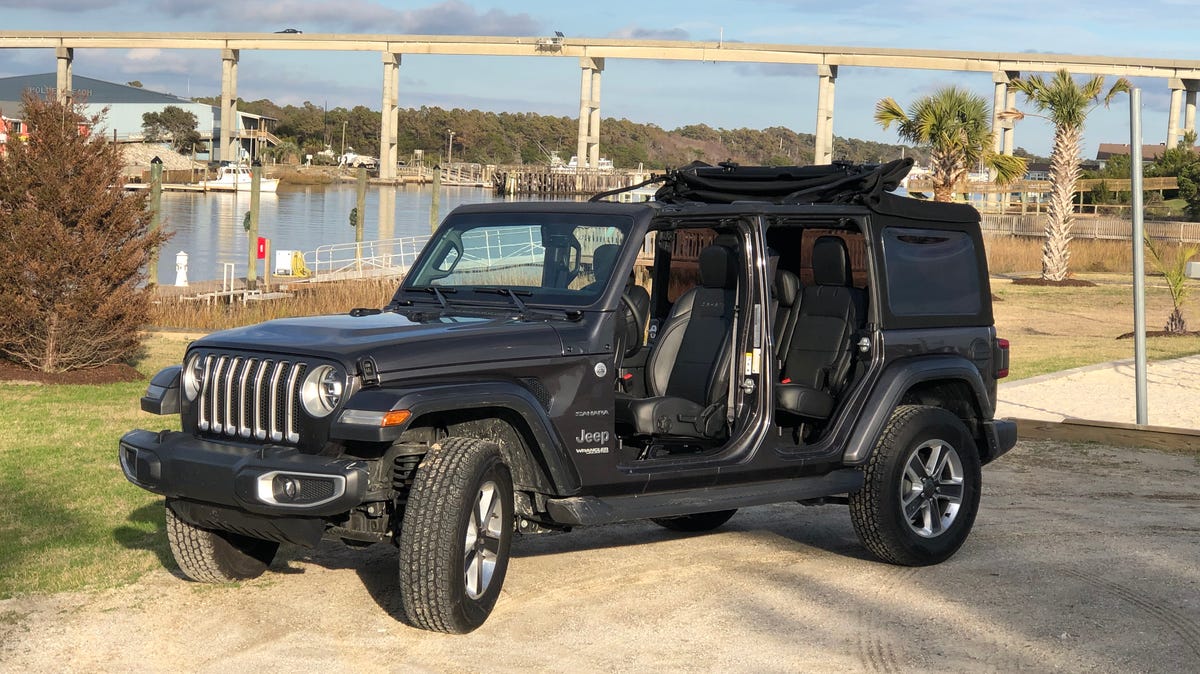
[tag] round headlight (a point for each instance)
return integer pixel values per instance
(322, 390)
(193, 377)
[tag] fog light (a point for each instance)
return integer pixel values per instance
(299, 490)
(289, 487)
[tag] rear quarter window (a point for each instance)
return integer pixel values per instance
(931, 272)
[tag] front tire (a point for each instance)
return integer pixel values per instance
(921, 489)
(210, 556)
(455, 537)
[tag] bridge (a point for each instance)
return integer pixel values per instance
(1182, 76)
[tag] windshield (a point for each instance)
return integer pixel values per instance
(558, 258)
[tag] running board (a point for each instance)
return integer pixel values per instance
(585, 510)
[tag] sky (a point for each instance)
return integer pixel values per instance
(669, 94)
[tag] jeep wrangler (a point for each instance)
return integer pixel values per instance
(754, 335)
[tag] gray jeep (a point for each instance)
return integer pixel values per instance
(753, 336)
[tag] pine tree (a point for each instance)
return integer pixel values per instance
(73, 245)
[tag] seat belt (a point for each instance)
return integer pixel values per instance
(734, 359)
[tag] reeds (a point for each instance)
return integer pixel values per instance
(307, 300)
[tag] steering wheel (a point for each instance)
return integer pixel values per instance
(638, 322)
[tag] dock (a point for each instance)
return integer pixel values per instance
(554, 180)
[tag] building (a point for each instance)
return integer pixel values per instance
(1150, 153)
(10, 130)
(127, 104)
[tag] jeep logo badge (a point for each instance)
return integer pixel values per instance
(601, 369)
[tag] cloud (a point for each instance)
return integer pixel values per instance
(450, 17)
(633, 32)
(62, 6)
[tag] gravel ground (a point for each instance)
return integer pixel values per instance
(1084, 558)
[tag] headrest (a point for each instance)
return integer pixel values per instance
(831, 262)
(717, 267)
(604, 259)
(787, 287)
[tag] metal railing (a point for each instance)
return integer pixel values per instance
(382, 257)
(1120, 229)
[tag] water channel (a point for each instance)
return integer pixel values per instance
(208, 226)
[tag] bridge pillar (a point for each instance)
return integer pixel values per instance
(1004, 97)
(823, 150)
(1189, 105)
(588, 149)
(1173, 111)
(66, 56)
(1010, 102)
(389, 131)
(229, 142)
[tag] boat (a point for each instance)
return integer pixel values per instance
(236, 178)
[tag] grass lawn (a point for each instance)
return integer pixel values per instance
(68, 517)
(69, 520)
(1054, 329)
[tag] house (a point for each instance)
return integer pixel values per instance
(1150, 153)
(126, 105)
(11, 130)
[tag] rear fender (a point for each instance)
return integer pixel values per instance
(900, 379)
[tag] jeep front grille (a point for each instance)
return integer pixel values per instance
(250, 398)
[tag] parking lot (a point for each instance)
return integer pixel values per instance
(1083, 558)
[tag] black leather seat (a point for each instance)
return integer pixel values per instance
(631, 329)
(687, 373)
(820, 354)
(786, 303)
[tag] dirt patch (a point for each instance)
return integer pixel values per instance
(1081, 560)
(1162, 333)
(106, 374)
(1065, 283)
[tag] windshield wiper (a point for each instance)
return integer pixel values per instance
(510, 293)
(436, 292)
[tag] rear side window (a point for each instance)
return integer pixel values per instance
(931, 272)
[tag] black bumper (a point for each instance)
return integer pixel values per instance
(247, 478)
(1001, 437)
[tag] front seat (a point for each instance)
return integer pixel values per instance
(818, 360)
(687, 373)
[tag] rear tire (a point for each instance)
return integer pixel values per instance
(696, 522)
(455, 537)
(921, 490)
(210, 556)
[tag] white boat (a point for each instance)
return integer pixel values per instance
(237, 179)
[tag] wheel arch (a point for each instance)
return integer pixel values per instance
(949, 382)
(502, 412)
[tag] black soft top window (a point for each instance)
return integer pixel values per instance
(931, 272)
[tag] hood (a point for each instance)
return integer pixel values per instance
(395, 341)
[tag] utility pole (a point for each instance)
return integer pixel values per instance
(343, 137)
(252, 233)
(1139, 256)
(449, 148)
(437, 194)
(156, 169)
(360, 221)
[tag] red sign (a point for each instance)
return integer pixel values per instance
(262, 248)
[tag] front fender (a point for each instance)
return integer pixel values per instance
(373, 403)
(895, 382)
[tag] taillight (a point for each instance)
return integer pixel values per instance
(1001, 358)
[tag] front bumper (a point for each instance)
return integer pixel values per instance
(262, 480)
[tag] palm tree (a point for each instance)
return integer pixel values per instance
(955, 125)
(1066, 104)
